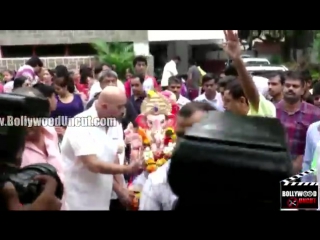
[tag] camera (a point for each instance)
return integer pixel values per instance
(12, 141)
(229, 159)
(27, 187)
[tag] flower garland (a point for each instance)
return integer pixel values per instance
(154, 161)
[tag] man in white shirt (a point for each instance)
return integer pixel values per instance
(140, 64)
(169, 70)
(106, 75)
(89, 154)
(262, 85)
(105, 78)
(156, 193)
(175, 87)
(210, 95)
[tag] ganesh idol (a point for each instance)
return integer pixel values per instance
(154, 139)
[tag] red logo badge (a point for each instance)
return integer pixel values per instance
(292, 203)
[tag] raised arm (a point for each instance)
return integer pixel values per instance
(233, 48)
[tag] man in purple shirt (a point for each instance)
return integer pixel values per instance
(296, 116)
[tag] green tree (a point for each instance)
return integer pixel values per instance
(316, 44)
(314, 68)
(119, 54)
(290, 39)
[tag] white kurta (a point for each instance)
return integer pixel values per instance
(317, 154)
(86, 190)
(156, 193)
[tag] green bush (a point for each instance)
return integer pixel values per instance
(119, 54)
(276, 59)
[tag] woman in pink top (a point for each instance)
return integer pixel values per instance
(41, 142)
(42, 147)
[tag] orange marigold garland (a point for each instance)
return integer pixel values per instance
(144, 137)
(154, 161)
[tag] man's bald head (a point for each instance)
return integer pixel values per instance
(111, 102)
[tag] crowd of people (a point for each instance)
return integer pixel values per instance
(89, 161)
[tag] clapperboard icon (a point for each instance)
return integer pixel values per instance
(299, 195)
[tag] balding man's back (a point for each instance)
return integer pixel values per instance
(111, 94)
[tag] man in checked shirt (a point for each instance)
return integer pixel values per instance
(296, 116)
(156, 193)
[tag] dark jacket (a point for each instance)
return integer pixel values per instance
(130, 116)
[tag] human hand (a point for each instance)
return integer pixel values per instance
(134, 167)
(130, 134)
(126, 197)
(131, 137)
(232, 46)
(46, 200)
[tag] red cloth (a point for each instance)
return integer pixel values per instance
(83, 88)
(127, 85)
(175, 109)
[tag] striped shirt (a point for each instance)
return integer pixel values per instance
(296, 125)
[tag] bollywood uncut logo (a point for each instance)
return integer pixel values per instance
(299, 195)
(59, 121)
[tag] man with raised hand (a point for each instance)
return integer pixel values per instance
(242, 96)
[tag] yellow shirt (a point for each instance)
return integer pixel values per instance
(266, 108)
(201, 71)
(202, 74)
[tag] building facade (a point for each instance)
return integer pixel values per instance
(46, 37)
(69, 47)
(72, 47)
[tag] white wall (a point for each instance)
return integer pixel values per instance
(141, 48)
(175, 35)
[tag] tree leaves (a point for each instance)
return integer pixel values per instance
(117, 53)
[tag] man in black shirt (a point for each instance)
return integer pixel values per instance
(138, 93)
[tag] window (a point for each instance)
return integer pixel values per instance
(159, 52)
(50, 50)
(17, 51)
(82, 49)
